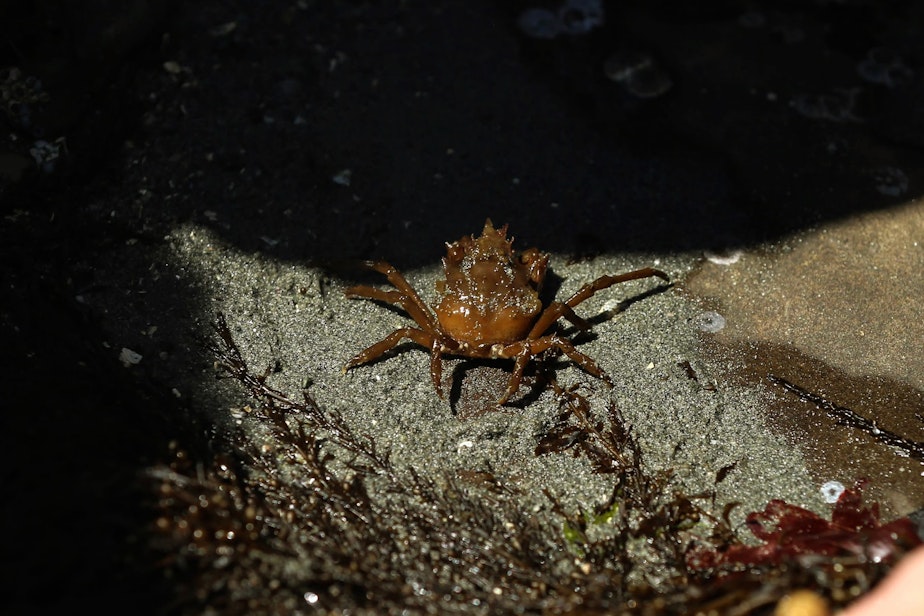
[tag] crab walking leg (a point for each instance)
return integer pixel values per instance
(555, 311)
(436, 366)
(584, 361)
(390, 341)
(525, 351)
(400, 282)
(603, 282)
(391, 297)
(523, 355)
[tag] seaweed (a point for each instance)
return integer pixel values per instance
(641, 506)
(831, 561)
(610, 447)
(644, 529)
(317, 517)
(282, 528)
(790, 533)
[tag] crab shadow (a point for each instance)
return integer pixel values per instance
(606, 315)
(475, 386)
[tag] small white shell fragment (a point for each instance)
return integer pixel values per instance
(725, 257)
(831, 491)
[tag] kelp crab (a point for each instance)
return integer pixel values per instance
(489, 308)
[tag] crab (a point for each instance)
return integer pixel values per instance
(489, 308)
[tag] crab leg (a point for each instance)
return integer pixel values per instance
(391, 297)
(436, 366)
(584, 361)
(555, 311)
(390, 341)
(400, 282)
(603, 282)
(531, 348)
